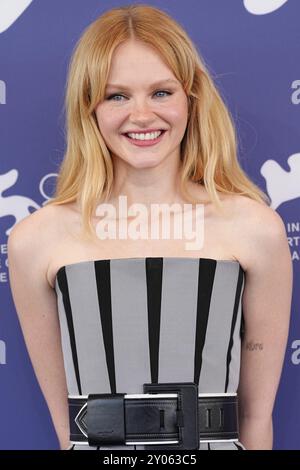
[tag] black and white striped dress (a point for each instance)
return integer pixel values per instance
(129, 321)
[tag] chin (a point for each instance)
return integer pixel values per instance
(144, 163)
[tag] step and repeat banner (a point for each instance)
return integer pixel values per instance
(252, 50)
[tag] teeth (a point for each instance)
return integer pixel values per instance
(148, 136)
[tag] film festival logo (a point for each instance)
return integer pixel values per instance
(10, 11)
(283, 186)
(263, 7)
(17, 206)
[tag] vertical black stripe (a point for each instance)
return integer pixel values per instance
(154, 267)
(233, 323)
(242, 329)
(102, 273)
(208, 444)
(63, 285)
(206, 275)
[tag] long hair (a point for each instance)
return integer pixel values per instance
(209, 146)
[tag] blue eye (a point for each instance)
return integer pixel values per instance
(113, 96)
(116, 94)
(163, 91)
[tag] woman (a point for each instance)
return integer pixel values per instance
(146, 123)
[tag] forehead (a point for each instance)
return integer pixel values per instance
(133, 60)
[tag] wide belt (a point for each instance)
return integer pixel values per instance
(178, 420)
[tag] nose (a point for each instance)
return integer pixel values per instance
(141, 110)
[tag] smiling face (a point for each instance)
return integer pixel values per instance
(135, 102)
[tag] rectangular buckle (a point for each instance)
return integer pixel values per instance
(187, 403)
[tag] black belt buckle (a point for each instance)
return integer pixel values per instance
(187, 411)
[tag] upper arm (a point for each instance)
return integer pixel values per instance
(35, 303)
(266, 304)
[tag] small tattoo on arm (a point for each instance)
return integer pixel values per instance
(251, 346)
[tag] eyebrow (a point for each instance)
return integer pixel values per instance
(160, 82)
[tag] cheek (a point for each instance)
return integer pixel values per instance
(178, 117)
(177, 112)
(108, 120)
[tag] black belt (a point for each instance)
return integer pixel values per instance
(177, 420)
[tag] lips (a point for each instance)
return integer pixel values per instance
(145, 142)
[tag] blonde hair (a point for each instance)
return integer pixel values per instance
(209, 145)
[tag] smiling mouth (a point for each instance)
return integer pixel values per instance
(150, 135)
(152, 139)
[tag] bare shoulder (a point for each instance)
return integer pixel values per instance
(259, 229)
(31, 239)
(35, 227)
(257, 217)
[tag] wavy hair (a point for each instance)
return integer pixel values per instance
(209, 145)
